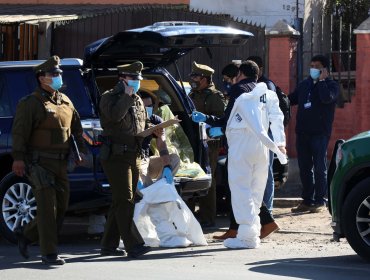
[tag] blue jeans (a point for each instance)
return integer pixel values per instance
(268, 196)
(312, 162)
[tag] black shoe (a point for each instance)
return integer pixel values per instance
(138, 251)
(52, 259)
(112, 252)
(23, 242)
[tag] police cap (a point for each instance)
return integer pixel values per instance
(133, 69)
(201, 70)
(49, 66)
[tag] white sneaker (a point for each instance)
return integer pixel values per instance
(175, 242)
(236, 243)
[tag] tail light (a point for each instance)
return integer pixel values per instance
(91, 132)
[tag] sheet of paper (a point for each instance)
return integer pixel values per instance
(164, 124)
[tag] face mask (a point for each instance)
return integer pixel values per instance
(194, 84)
(135, 84)
(149, 110)
(56, 82)
(315, 73)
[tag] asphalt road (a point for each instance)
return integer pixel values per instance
(283, 255)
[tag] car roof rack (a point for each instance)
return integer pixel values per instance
(174, 23)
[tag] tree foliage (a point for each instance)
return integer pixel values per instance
(352, 11)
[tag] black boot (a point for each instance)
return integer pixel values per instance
(138, 251)
(23, 242)
(52, 259)
(112, 252)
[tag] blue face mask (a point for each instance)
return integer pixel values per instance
(149, 110)
(135, 84)
(56, 82)
(315, 73)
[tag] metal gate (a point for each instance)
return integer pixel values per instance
(329, 37)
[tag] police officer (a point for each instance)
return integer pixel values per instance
(42, 128)
(123, 115)
(208, 100)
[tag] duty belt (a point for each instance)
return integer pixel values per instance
(59, 156)
(122, 148)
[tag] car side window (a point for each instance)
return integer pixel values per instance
(18, 85)
(4, 98)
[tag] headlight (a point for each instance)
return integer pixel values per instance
(91, 131)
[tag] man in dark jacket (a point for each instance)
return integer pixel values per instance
(316, 99)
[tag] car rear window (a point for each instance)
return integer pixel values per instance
(23, 82)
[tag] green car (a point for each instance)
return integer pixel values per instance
(349, 192)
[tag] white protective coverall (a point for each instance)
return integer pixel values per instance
(246, 133)
(164, 220)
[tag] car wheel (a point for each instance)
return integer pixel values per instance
(18, 205)
(356, 218)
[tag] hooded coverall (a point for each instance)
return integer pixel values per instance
(246, 133)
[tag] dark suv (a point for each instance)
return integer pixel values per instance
(156, 46)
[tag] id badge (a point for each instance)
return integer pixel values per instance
(307, 105)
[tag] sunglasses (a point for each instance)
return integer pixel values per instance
(194, 75)
(135, 78)
(56, 74)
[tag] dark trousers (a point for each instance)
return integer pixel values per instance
(312, 162)
(207, 204)
(52, 202)
(123, 175)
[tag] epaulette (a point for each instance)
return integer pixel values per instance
(65, 98)
(25, 97)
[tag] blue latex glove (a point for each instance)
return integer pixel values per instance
(198, 117)
(167, 173)
(215, 132)
(140, 185)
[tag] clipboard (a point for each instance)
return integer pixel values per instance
(164, 124)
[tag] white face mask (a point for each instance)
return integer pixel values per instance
(149, 110)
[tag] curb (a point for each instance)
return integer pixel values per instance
(287, 202)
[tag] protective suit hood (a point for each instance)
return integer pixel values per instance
(256, 93)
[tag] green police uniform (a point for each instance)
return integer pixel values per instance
(122, 117)
(41, 130)
(209, 101)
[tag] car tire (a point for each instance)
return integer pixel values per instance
(18, 205)
(355, 218)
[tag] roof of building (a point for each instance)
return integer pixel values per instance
(54, 12)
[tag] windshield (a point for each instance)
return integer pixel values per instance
(22, 83)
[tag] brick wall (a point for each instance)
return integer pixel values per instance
(282, 70)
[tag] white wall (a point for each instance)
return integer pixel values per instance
(264, 12)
